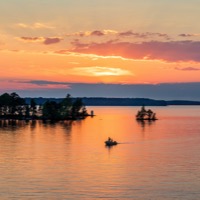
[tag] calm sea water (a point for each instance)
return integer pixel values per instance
(158, 160)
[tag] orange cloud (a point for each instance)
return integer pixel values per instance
(36, 25)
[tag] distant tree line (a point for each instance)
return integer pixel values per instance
(12, 106)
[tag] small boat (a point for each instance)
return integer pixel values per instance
(110, 142)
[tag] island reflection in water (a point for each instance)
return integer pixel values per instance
(69, 160)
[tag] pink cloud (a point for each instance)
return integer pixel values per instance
(188, 69)
(171, 51)
(187, 35)
(33, 84)
(97, 33)
(93, 33)
(143, 35)
(48, 41)
(129, 33)
(32, 39)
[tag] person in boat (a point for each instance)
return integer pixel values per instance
(110, 139)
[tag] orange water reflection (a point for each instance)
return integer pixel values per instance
(68, 160)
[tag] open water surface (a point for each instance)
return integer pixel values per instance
(68, 160)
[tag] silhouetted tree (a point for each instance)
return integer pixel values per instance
(51, 111)
(33, 108)
(27, 112)
(76, 107)
(11, 105)
(66, 107)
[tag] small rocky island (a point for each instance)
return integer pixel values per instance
(144, 114)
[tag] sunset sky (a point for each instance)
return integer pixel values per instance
(116, 48)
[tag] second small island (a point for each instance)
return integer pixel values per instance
(144, 114)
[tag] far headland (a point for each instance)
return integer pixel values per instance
(104, 101)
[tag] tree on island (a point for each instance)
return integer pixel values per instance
(144, 114)
(78, 108)
(65, 110)
(33, 108)
(66, 106)
(51, 111)
(12, 106)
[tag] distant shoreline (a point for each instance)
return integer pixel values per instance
(103, 101)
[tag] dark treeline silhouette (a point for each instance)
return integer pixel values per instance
(107, 101)
(12, 106)
(64, 110)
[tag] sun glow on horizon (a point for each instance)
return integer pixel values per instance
(100, 71)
